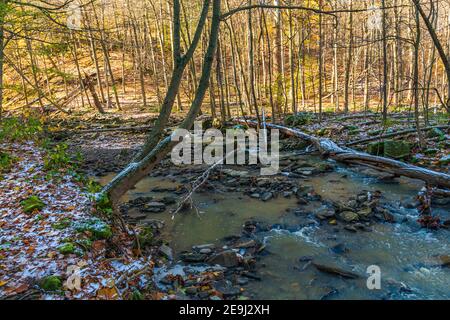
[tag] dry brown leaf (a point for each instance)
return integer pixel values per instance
(107, 294)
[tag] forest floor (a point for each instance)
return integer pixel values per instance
(50, 235)
(59, 230)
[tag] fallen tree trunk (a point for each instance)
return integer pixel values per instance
(394, 134)
(346, 155)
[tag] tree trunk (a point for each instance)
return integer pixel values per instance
(439, 47)
(349, 62)
(416, 79)
(135, 171)
(385, 62)
(177, 75)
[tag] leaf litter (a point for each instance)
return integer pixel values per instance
(30, 241)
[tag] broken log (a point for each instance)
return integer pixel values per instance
(346, 155)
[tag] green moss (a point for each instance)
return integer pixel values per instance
(96, 227)
(435, 133)
(6, 162)
(390, 148)
(389, 123)
(93, 186)
(351, 128)
(67, 248)
(103, 204)
(145, 237)
(51, 283)
(137, 295)
(85, 243)
(299, 119)
(61, 224)
(32, 203)
(396, 149)
(323, 132)
(376, 148)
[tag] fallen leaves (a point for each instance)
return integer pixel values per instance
(108, 294)
(29, 242)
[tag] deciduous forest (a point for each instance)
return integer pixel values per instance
(350, 101)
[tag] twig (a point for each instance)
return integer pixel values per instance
(197, 184)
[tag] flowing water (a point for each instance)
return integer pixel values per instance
(406, 254)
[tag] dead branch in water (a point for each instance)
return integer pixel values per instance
(201, 180)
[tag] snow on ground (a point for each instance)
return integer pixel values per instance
(29, 241)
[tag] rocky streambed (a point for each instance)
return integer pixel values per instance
(310, 232)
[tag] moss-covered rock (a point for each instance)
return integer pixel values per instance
(67, 248)
(396, 149)
(51, 283)
(97, 228)
(376, 148)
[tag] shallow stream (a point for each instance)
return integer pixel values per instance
(406, 254)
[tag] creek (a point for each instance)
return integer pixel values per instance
(406, 254)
